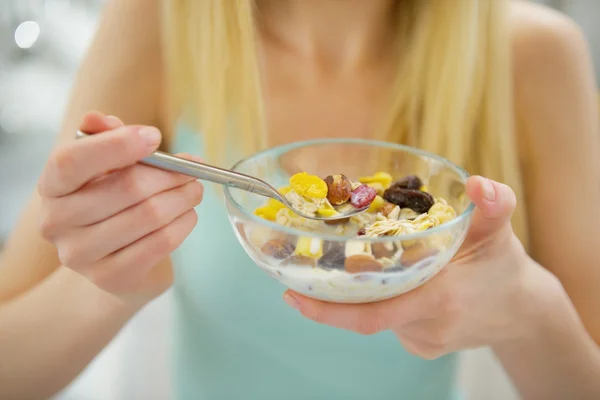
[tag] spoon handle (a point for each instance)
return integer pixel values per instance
(169, 162)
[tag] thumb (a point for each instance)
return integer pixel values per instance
(494, 205)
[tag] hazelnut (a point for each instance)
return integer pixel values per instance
(278, 248)
(339, 189)
(362, 263)
(299, 261)
(413, 254)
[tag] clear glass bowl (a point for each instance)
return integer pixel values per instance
(418, 256)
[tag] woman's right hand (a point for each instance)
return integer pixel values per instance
(112, 219)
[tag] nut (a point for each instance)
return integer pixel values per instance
(278, 248)
(387, 208)
(299, 261)
(412, 255)
(362, 263)
(339, 189)
(384, 250)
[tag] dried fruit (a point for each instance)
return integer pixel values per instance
(278, 248)
(309, 185)
(339, 189)
(384, 250)
(333, 258)
(414, 199)
(362, 196)
(412, 255)
(361, 232)
(362, 263)
(326, 212)
(382, 178)
(376, 204)
(309, 247)
(266, 212)
(299, 261)
(409, 182)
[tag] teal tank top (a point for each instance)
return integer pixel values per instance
(235, 338)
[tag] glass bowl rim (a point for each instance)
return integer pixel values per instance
(283, 149)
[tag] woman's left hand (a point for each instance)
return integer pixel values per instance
(486, 295)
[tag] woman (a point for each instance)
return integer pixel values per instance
(321, 69)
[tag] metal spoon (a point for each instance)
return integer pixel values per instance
(169, 162)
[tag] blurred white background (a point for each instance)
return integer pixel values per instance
(41, 44)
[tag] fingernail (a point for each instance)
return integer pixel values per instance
(150, 134)
(291, 301)
(112, 121)
(489, 193)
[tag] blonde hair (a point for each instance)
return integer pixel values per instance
(453, 94)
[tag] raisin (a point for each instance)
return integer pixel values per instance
(361, 232)
(408, 182)
(414, 199)
(333, 259)
(362, 196)
(278, 248)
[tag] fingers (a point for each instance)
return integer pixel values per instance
(366, 319)
(494, 206)
(78, 162)
(122, 271)
(95, 122)
(112, 193)
(132, 224)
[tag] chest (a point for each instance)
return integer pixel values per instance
(303, 103)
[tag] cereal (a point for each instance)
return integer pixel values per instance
(309, 185)
(382, 178)
(404, 207)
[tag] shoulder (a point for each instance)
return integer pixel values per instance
(554, 79)
(546, 43)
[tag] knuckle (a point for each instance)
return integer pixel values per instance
(63, 163)
(154, 212)
(70, 254)
(47, 225)
(167, 240)
(196, 192)
(132, 183)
